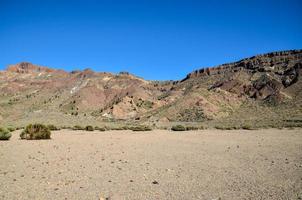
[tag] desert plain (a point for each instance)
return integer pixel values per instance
(158, 164)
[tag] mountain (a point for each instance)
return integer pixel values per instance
(264, 90)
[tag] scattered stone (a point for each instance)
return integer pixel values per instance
(155, 183)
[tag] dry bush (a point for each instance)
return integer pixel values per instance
(35, 132)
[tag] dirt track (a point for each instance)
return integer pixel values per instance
(210, 164)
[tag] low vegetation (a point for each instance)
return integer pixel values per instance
(140, 128)
(115, 128)
(35, 132)
(4, 134)
(78, 127)
(89, 128)
(99, 128)
(192, 128)
(233, 127)
(221, 127)
(52, 127)
(178, 128)
(11, 129)
(186, 128)
(247, 127)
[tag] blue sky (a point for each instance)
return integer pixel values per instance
(156, 39)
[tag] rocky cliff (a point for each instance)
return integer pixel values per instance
(264, 84)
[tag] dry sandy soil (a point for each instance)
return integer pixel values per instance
(210, 164)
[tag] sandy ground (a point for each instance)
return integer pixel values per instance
(210, 164)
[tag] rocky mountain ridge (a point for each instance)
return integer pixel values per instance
(271, 82)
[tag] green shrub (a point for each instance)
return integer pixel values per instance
(178, 128)
(247, 127)
(35, 132)
(89, 128)
(99, 128)
(78, 127)
(140, 128)
(191, 128)
(52, 127)
(4, 134)
(11, 129)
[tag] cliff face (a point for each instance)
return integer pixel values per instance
(271, 81)
(277, 62)
(266, 75)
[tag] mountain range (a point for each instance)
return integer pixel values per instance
(261, 91)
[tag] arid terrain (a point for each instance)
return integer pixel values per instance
(236, 132)
(261, 91)
(159, 164)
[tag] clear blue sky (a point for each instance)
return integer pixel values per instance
(156, 39)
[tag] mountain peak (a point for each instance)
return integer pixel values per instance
(27, 67)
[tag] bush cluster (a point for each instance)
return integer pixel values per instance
(4, 134)
(35, 132)
(229, 127)
(185, 128)
(140, 128)
(192, 128)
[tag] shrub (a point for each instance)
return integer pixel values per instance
(227, 127)
(247, 127)
(4, 134)
(11, 129)
(52, 127)
(140, 128)
(35, 132)
(178, 128)
(99, 128)
(67, 127)
(77, 127)
(191, 128)
(89, 128)
(19, 128)
(219, 127)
